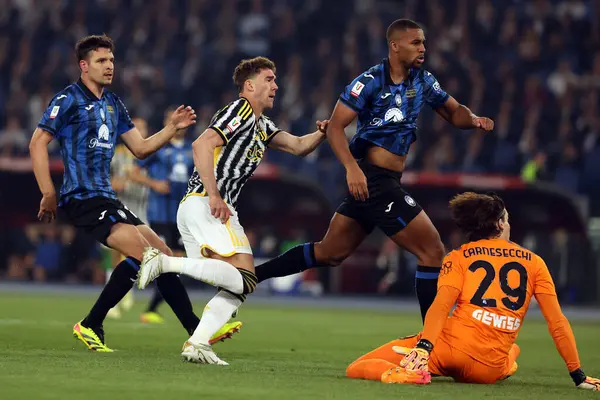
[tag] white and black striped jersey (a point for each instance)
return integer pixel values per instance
(134, 195)
(245, 140)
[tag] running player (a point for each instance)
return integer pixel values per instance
(226, 155)
(387, 100)
(491, 281)
(86, 120)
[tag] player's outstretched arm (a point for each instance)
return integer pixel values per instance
(563, 337)
(300, 145)
(182, 118)
(461, 117)
(38, 150)
(203, 149)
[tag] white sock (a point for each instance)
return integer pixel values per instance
(216, 313)
(214, 272)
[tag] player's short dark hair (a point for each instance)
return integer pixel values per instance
(477, 215)
(400, 25)
(90, 43)
(248, 69)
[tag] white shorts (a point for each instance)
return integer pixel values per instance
(201, 231)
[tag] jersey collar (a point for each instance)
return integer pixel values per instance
(87, 91)
(388, 77)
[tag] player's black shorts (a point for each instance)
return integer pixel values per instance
(98, 215)
(389, 207)
(169, 233)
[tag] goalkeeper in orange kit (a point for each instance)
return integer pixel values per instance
(491, 280)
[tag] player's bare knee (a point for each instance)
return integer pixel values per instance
(334, 261)
(432, 254)
(329, 257)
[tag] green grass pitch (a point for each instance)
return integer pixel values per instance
(281, 353)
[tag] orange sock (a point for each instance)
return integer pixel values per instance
(370, 369)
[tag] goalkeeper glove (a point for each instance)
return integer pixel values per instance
(584, 382)
(418, 358)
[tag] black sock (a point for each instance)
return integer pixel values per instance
(177, 298)
(156, 300)
(120, 282)
(297, 259)
(426, 280)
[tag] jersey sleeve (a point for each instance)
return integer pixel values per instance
(438, 313)
(357, 93)
(560, 330)
(543, 283)
(433, 93)
(124, 124)
(452, 273)
(58, 114)
(271, 128)
(229, 120)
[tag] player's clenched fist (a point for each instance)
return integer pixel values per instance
(183, 117)
(322, 125)
(483, 123)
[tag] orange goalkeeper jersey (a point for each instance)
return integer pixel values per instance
(496, 279)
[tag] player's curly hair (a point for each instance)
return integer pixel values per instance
(248, 69)
(85, 45)
(477, 215)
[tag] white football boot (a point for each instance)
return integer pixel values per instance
(151, 267)
(200, 354)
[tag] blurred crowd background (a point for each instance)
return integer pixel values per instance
(532, 66)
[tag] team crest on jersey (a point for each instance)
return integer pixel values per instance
(122, 214)
(357, 88)
(234, 124)
(410, 201)
(446, 268)
(398, 100)
(394, 115)
(103, 132)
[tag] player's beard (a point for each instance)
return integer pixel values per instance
(106, 81)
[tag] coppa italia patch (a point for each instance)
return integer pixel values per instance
(358, 87)
(54, 112)
(233, 124)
